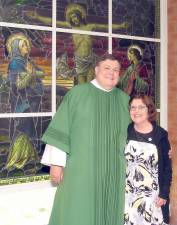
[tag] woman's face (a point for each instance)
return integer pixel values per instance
(24, 48)
(138, 111)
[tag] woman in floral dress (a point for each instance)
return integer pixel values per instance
(148, 173)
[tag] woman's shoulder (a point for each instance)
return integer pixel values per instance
(16, 64)
(130, 129)
(160, 134)
(159, 130)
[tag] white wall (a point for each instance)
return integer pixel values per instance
(26, 204)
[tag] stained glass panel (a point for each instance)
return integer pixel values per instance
(142, 16)
(83, 15)
(25, 72)
(26, 12)
(139, 67)
(21, 148)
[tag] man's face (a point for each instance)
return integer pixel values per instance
(75, 19)
(107, 73)
(131, 56)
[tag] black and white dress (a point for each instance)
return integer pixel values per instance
(142, 188)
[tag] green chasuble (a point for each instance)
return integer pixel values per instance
(91, 127)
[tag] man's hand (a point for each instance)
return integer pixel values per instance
(56, 174)
(125, 25)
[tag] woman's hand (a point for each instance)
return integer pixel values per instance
(170, 153)
(56, 174)
(30, 68)
(160, 202)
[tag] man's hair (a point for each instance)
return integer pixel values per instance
(105, 57)
(135, 52)
(147, 100)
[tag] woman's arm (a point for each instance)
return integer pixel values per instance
(167, 168)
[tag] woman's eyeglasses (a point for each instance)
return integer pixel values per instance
(139, 107)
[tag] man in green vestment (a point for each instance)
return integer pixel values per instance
(90, 129)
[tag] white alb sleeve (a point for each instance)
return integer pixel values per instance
(53, 156)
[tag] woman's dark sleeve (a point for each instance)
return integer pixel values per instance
(166, 172)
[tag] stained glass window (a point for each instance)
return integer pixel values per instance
(47, 47)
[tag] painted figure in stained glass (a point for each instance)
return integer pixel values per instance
(136, 78)
(76, 19)
(24, 76)
(26, 91)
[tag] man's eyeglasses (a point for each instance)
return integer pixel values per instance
(139, 107)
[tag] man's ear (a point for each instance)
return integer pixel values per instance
(96, 70)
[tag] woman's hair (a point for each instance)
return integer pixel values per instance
(14, 43)
(147, 100)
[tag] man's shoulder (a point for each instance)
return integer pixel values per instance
(77, 90)
(122, 94)
(79, 87)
